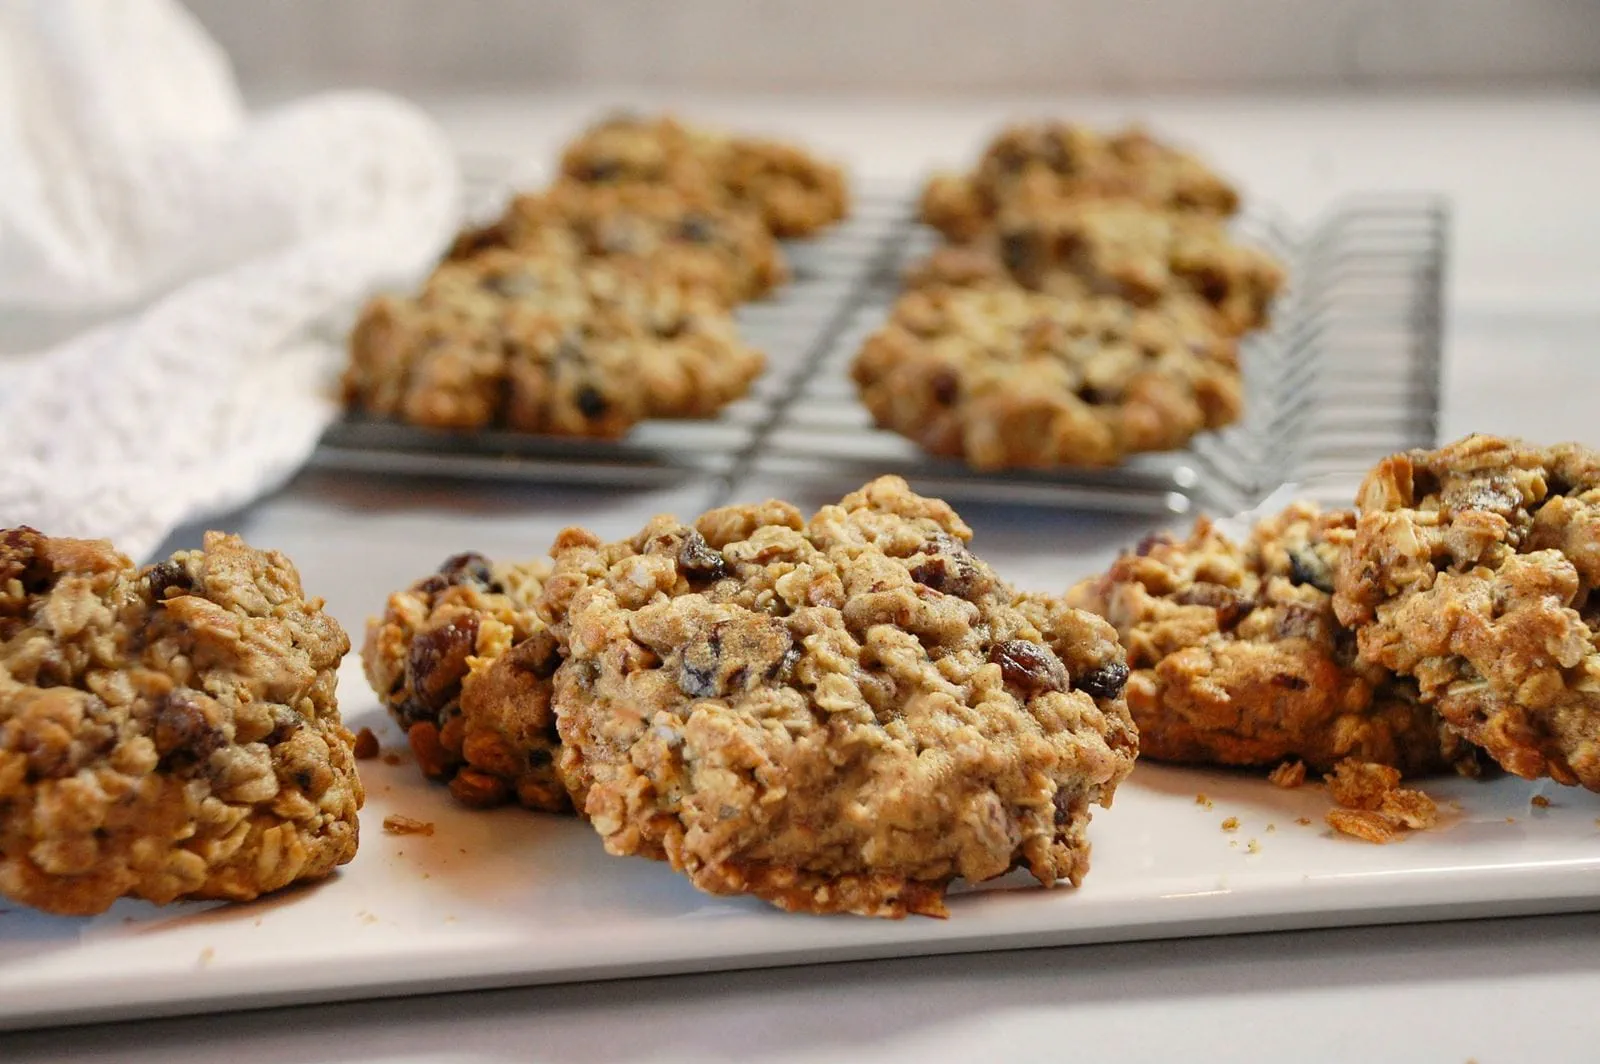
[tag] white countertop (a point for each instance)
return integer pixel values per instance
(1524, 317)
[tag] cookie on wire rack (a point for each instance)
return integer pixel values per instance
(665, 234)
(532, 344)
(791, 191)
(1002, 377)
(840, 714)
(1137, 253)
(1075, 162)
(1474, 569)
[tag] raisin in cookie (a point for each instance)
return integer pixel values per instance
(166, 732)
(1474, 569)
(1238, 659)
(1137, 253)
(663, 233)
(792, 192)
(837, 715)
(1077, 162)
(1003, 377)
(463, 664)
(536, 345)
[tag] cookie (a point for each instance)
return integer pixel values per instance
(501, 340)
(1238, 659)
(1074, 162)
(669, 235)
(792, 192)
(836, 715)
(166, 732)
(1136, 253)
(463, 664)
(1474, 569)
(1002, 377)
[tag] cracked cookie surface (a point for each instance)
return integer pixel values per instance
(1474, 569)
(1002, 377)
(503, 340)
(1237, 658)
(840, 714)
(463, 664)
(1074, 161)
(792, 192)
(166, 732)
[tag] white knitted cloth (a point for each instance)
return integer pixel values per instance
(132, 183)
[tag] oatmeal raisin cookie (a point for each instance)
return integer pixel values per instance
(1137, 253)
(1003, 377)
(463, 663)
(1237, 658)
(166, 732)
(837, 715)
(791, 191)
(536, 345)
(1076, 162)
(667, 235)
(1474, 569)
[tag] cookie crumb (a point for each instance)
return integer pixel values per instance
(366, 747)
(1541, 801)
(1231, 824)
(1376, 807)
(1272, 827)
(1362, 824)
(1513, 820)
(1361, 784)
(1288, 775)
(1252, 846)
(391, 759)
(207, 955)
(395, 824)
(1303, 821)
(1202, 801)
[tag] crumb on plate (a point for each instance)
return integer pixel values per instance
(395, 824)
(1374, 805)
(1288, 775)
(1231, 824)
(366, 747)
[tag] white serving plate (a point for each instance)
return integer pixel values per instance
(509, 897)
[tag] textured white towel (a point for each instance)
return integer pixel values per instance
(133, 184)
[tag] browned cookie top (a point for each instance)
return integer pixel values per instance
(791, 191)
(463, 664)
(840, 714)
(166, 732)
(1003, 377)
(1474, 569)
(1075, 161)
(1238, 659)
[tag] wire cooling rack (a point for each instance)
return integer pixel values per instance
(1349, 372)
